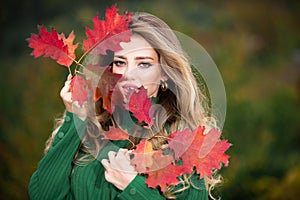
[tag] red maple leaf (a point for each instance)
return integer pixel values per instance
(180, 141)
(116, 134)
(140, 106)
(106, 88)
(100, 39)
(79, 89)
(163, 172)
(53, 45)
(206, 152)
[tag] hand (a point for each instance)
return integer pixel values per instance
(74, 107)
(118, 169)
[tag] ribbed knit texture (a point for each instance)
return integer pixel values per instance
(56, 178)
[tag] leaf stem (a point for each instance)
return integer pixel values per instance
(78, 64)
(132, 143)
(160, 136)
(78, 72)
(70, 72)
(93, 47)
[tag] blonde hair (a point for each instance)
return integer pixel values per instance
(184, 105)
(190, 104)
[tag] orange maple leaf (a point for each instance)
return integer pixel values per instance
(116, 134)
(71, 47)
(142, 159)
(159, 168)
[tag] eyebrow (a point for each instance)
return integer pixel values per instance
(143, 58)
(136, 58)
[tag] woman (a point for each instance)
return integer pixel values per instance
(90, 167)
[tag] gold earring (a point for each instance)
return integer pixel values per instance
(164, 85)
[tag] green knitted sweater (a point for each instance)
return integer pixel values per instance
(57, 177)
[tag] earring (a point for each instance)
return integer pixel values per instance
(164, 85)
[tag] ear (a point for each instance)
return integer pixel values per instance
(164, 78)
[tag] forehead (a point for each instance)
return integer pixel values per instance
(137, 44)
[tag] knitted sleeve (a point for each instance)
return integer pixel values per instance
(138, 190)
(51, 179)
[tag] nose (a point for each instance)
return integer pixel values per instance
(130, 71)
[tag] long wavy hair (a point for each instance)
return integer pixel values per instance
(183, 104)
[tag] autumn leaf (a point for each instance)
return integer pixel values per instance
(53, 45)
(142, 159)
(107, 34)
(205, 153)
(71, 47)
(163, 172)
(116, 134)
(140, 106)
(79, 89)
(180, 141)
(159, 167)
(105, 89)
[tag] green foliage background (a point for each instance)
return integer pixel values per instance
(255, 44)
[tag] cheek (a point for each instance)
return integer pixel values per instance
(151, 82)
(150, 78)
(152, 75)
(152, 88)
(118, 70)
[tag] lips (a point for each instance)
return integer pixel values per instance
(130, 88)
(127, 89)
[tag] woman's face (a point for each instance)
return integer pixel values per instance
(138, 62)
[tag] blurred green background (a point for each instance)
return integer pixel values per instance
(255, 44)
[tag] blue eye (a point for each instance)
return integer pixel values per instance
(145, 64)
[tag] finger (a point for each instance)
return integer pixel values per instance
(123, 150)
(127, 155)
(112, 158)
(107, 176)
(69, 77)
(65, 90)
(75, 105)
(122, 154)
(68, 82)
(111, 155)
(80, 107)
(105, 163)
(129, 152)
(66, 96)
